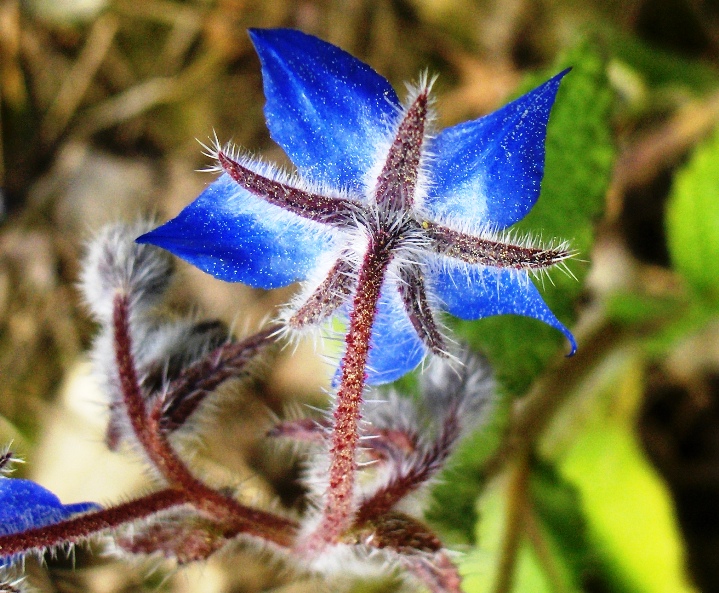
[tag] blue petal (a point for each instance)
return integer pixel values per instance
(231, 234)
(489, 170)
(473, 292)
(25, 505)
(395, 347)
(325, 108)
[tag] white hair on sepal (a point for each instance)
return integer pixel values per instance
(424, 177)
(435, 304)
(562, 249)
(314, 280)
(115, 264)
(384, 142)
(270, 170)
(340, 564)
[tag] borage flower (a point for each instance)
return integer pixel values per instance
(382, 220)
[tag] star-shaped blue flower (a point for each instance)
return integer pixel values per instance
(376, 198)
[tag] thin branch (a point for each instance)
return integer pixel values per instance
(544, 553)
(79, 78)
(185, 394)
(513, 523)
(81, 528)
(148, 432)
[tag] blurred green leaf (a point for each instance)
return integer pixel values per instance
(552, 560)
(631, 308)
(660, 322)
(557, 504)
(631, 526)
(693, 220)
(578, 167)
(659, 68)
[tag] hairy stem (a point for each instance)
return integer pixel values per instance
(544, 552)
(337, 513)
(413, 473)
(185, 393)
(147, 429)
(80, 528)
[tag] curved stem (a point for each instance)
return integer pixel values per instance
(147, 429)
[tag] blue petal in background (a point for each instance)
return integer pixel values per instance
(473, 292)
(395, 347)
(25, 505)
(325, 108)
(232, 235)
(489, 170)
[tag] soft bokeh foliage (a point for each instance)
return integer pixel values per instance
(595, 473)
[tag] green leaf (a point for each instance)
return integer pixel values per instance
(577, 172)
(558, 507)
(631, 308)
(631, 527)
(660, 68)
(552, 560)
(693, 220)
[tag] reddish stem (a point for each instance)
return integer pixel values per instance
(150, 435)
(337, 513)
(230, 361)
(80, 528)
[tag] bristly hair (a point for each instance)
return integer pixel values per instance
(11, 583)
(114, 263)
(8, 460)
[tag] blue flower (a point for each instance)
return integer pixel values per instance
(25, 505)
(376, 192)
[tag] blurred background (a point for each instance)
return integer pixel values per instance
(102, 104)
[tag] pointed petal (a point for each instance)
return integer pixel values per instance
(236, 237)
(473, 292)
(326, 109)
(489, 170)
(25, 505)
(395, 347)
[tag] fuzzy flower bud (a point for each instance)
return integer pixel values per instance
(464, 388)
(115, 264)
